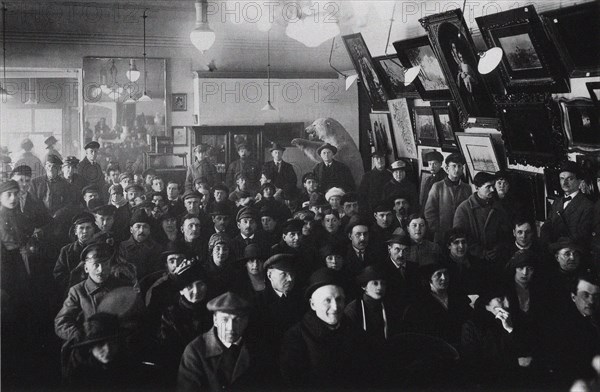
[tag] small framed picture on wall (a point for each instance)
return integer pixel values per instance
(179, 102)
(180, 136)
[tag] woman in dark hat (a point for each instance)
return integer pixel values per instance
(267, 199)
(222, 271)
(50, 143)
(439, 312)
(254, 281)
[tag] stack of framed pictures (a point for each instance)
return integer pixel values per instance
(479, 153)
(435, 125)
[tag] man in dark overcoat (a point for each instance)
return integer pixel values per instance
(89, 168)
(201, 168)
(331, 173)
(51, 189)
(246, 166)
(281, 172)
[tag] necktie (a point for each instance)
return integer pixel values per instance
(567, 198)
(361, 255)
(278, 167)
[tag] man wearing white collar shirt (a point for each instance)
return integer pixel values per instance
(572, 215)
(332, 173)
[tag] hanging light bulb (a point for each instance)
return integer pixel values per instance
(145, 97)
(268, 106)
(4, 95)
(202, 36)
(489, 60)
(132, 74)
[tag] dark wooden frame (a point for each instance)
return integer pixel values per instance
(394, 91)
(576, 43)
(446, 107)
(187, 131)
(529, 187)
(391, 150)
(519, 113)
(402, 48)
(569, 123)
(175, 107)
(550, 76)
(591, 86)
(377, 104)
(425, 111)
(449, 28)
(486, 138)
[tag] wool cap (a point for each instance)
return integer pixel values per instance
(229, 303)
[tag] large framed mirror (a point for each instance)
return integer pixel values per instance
(124, 107)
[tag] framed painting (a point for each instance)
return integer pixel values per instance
(382, 135)
(531, 129)
(425, 127)
(530, 62)
(424, 150)
(365, 68)
(580, 122)
(431, 82)
(391, 74)
(478, 151)
(425, 174)
(453, 46)
(179, 102)
(180, 136)
(594, 89)
(404, 136)
(578, 47)
(528, 188)
(446, 123)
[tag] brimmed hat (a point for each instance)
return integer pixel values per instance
(399, 165)
(92, 145)
(134, 187)
(268, 185)
(335, 191)
(50, 141)
(251, 252)
(221, 208)
(174, 248)
(328, 146)
(90, 189)
(202, 148)
(522, 258)
(101, 209)
(433, 156)
(100, 327)
(229, 303)
(71, 161)
(369, 273)
(103, 251)
(218, 238)
(246, 212)
(317, 200)
(429, 269)
(276, 146)
(22, 170)
(565, 242)
(399, 239)
(292, 226)
(322, 277)
(219, 187)
(571, 167)
(331, 249)
(282, 261)
(265, 210)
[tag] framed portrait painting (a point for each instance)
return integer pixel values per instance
(365, 68)
(179, 102)
(578, 47)
(180, 136)
(425, 127)
(455, 51)
(446, 123)
(530, 62)
(531, 129)
(581, 124)
(431, 82)
(391, 73)
(382, 135)
(404, 136)
(478, 151)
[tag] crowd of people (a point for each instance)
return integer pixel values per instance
(118, 280)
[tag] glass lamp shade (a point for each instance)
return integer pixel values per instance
(202, 37)
(129, 100)
(312, 31)
(350, 79)
(145, 98)
(268, 107)
(489, 60)
(411, 74)
(132, 74)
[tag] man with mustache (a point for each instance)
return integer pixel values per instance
(140, 249)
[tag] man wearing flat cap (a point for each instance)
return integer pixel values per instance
(282, 173)
(330, 172)
(572, 216)
(104, 216)
(222, 358)
(400, 183)
(324, 350)
(29, 205)
(89, 168)
(434, 160)
(245, 165)
(140, 249)
(69, 173)
(445, 197)
(248, 225)
(54, 191)
(373, 181)
(201, 167)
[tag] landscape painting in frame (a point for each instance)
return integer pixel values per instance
(431, 82)
(425, 128)
(454, 48)
(365, 68)
(531, 60)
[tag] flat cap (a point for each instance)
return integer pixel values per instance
(139, 216)
(276, 146)
(202, 148)
(10, 185)
(327, 146)
(564, 242)
(246, 212)
(282, 261)
(242, 145)
(229, 303)
(322, 277)
(22, 170)
(399, 239)
(135, 188)
(190, 194)
(104, 209)
(308, 176)
(84, 217)
(125, 175)
(265, 210)
(103, 251)
(292, 226)
(220, 187)
(334, 191)
(398, 165)
(53, 159)
(433, 156)
(90, 189)
(369, 273)
(50, 141)
(92, 145)
(71, 161)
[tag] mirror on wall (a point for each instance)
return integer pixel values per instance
(124, 107)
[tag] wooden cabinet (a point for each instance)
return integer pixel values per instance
(225, 139)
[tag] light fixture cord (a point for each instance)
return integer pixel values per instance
(4, 9)
(269, 66)
(330, 55)
(387, 43)
(144, 16)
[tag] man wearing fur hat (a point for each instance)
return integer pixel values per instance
(331, 173)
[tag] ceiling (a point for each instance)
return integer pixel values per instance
(240, 47)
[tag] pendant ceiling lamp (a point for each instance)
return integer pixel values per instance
(489, 60)
(312, 27)
(268, 106)
(350, 79)
(202, 36)
(132, 74)
(4, 95)
(145, 97)
(31, 101)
